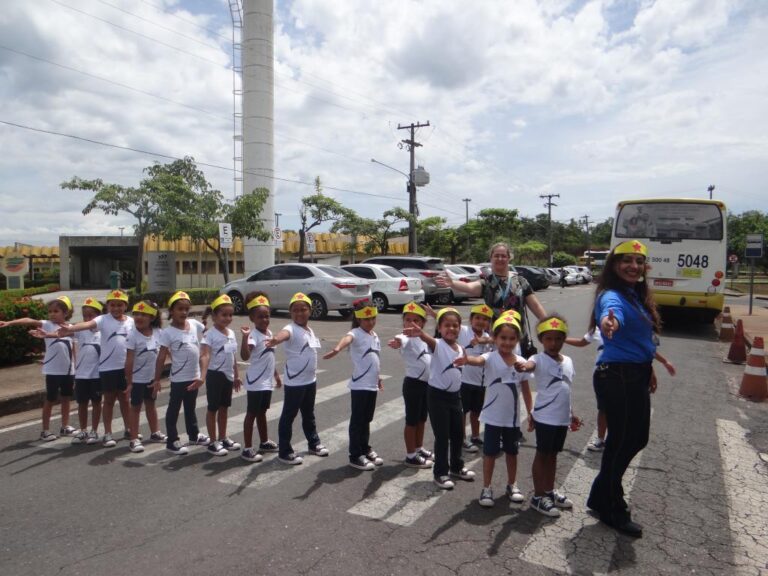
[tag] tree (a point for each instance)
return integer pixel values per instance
(354, 226)
(381, 232)
(749, 222)
(315, 210)
(530, 252)
(600, 236)
(560, 259)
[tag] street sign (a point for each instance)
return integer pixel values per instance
(310, 238)
(754, 248)
(733, 259)
(277, 237)
(225, 235)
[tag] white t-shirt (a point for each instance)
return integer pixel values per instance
(472, 374)
(553, 390)
(442, 373)
(261, 370)
(88, 349)
(300, 356)
(184, 346)
(416, 355)
(223, 348)
(113, 336)
(145, 349)
(502, 393)
(58, 360)
(366, 364)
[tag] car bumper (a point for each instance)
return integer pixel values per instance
(401, 298)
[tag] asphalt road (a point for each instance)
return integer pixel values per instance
(699, 489)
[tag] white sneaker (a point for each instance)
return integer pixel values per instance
(373, 457)
(361, 463)
(80, 438)
(293, 459)
(250, 455)
(47, 436)
(514, 494)
(230, 444)
(596, 445)
(217, 449)
(136, 446)
(319, 450)
(486, 498)
(444, 482)
(177, 448)
(469, 447)
(108, 441)
(157, 437)
(202, 440)
(67, 430)
(544, 505)
(93, 437)
(560, 500)
(464, 474)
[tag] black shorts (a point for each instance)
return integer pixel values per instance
(87, 390)
(113, 381)
(58, 383)
(218, 390)
(472, 397)
(598, 395)
(415, 398)
(258, 401)
(498, 438)
(140, 392)
(550, 439)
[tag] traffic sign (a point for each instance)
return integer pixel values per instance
(225, 235)
(277, 237)
(754, 247)
(733, 259)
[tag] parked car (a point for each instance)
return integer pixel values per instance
(569, 279)
(473, 269)
(583, 271)
(329, 287)
(459, 274)
(425, 268)
(536, 277)
(389, 287)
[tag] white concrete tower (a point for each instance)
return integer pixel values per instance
(258, 120)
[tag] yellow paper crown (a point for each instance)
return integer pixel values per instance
(258, 301)
(482, 309)
(93, 303)
(631, 247)
(117, 295)
(66, 301)
(414, 308)
(143, 308)
(445, 311)
(220, 301)
(507, 320)
(514, 314)
(367, 312)
(178, 296)
(300, 297)
(552, 324)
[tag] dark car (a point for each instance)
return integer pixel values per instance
(536, 277)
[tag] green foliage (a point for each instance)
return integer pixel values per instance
(20, 293)
(563, 259)
(531, 252)
(750, 222)
(15, 342)
(318, 208)
(198, 296)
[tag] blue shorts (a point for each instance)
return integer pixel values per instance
(550, 439)
(498, 438)
(141, 391)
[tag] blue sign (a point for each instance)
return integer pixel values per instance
(754, 247)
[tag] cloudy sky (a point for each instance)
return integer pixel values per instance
(593, 100)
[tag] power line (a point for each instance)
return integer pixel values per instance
(187, 20)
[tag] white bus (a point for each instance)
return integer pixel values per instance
(687, 245)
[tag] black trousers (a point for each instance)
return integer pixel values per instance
(623, 390)
(446, 416)
(180, 395)
(297, 399)
(363, 407)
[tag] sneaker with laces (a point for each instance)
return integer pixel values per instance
(418, 461)
(80, 438)
(469, 447)
(560, 500)
(544, 505)
(514, 494)
(250, 455)
(93, 437)
(177, 448)
(108, 442)
(202, 440)
(444, 482)
(47, 436)
(373, 457)
(157, 437)
(596, 445)
(217, 449)
(486, 498)
(426, 454)
(464, 474)
(361, 463)
(477, 441)
(230, 444)
(319, 450)
(67, 430)
(127, 435)
(268, 446)
(136, 446)
(292, 459)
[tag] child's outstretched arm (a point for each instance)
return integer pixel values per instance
(469, 360)
(79, 327)
(30, 322)
(417, 332)
(343, 343)
(282, 336)
(525, 366)
(395, 343)
(666, 363)
(580, 342)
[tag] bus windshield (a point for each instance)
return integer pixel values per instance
(669, 221)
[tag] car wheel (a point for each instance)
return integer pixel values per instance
(445, 299)
(380, 301)
(237, 301)
(319, 307)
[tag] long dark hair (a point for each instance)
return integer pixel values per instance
(641, 292)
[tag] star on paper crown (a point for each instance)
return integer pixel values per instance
(93, 303)
(414, 308)
(552, 324)
(631, 247)
(482, 309)
(258, 301)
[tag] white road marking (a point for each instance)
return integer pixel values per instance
(745, 486)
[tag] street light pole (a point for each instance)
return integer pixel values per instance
(549, 205)
(711, 189)
(411, 189)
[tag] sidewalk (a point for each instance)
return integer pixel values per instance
(757, 323)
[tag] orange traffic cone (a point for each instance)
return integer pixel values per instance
(738, 351)
(754, 383)
(726, 328)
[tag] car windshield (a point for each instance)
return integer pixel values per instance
(435, 264)
(670, 221)
(389, 271)
(335, 272)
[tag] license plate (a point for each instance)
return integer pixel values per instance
(689, 272)
(662, 282)
(361, 289)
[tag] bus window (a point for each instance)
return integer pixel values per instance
(669, 221)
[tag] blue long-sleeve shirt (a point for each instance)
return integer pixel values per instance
(634, 341)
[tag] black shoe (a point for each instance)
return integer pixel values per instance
(626, 526)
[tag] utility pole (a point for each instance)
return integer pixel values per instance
(412, 209)
(711, 189)
(589, 248)
(548, 204)
(466, 206)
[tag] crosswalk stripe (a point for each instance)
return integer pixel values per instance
(747, 497)
(406, 498)
(570, 542)
(334, 438)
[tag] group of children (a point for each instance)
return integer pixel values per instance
(475, 369)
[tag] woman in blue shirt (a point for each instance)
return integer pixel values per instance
(626, 314)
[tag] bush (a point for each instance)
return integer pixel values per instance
(197, 295)
(21, 293)
(15, 343)
(563, 259)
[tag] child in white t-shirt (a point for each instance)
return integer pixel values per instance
(87, 382)
(476, 341)
(364, 348)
